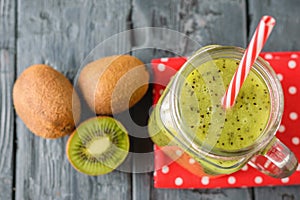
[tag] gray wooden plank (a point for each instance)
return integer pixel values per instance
(284, 37)
(61, 33)
(277, 193)
(7, 75)
(142, 184)
(215, 194)
(206, 22)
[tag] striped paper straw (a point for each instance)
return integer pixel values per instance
(255, 46)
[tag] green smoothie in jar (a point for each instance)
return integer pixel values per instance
(207, 125)
(234, 129)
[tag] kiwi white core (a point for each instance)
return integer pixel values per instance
(99, 146)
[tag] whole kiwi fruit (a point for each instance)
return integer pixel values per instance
(113, 84)
(46, 102)
(98, 146)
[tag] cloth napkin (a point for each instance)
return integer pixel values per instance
(173, 175)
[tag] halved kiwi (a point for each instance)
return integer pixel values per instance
(98, 146)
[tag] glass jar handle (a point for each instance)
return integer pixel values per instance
(275, 160)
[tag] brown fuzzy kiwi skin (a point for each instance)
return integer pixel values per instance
(113, 84)
(46, 102)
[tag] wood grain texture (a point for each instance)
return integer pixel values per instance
(216, 194)
(141, 184)
(284, 37)
(61, 34)
(205, 22)
(278, 193)
(7, 76)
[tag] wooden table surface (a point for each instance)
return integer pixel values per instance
(62, 32)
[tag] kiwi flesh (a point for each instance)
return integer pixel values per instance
(98, 146)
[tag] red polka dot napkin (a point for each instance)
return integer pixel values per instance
(173, 175)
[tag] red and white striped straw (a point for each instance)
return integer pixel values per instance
(255, 46)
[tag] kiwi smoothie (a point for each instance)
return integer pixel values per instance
(242, 124)
(210, 126)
